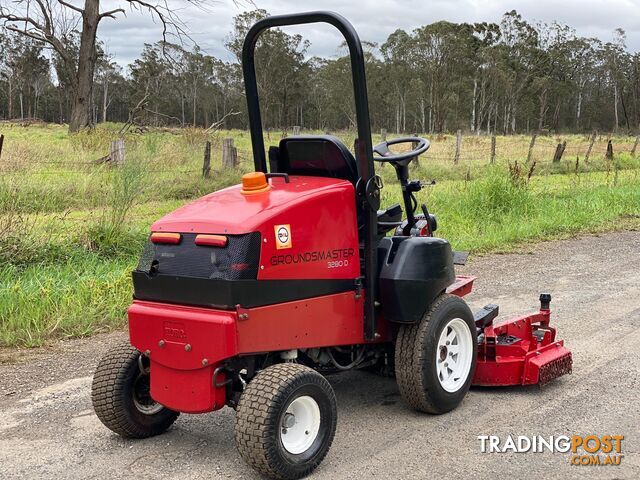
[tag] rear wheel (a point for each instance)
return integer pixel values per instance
(121, 397)
(436, 357)
(286, 420)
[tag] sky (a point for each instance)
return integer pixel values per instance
(373, 19)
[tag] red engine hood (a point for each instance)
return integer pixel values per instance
(229, 211)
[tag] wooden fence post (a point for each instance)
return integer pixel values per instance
(531, 145)
(633, 149)
(206, 164)
(456, 158)
(383, 134)
(1, 144)
(557, 156)
(591, 142)
(416, 162)
(296, 129)
(117, 155)
(493, 148)
(609, 154)
(229, 154)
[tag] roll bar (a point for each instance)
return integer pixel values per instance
(364, 148)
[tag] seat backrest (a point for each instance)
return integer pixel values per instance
(316, 155)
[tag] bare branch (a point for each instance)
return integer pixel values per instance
(217, 124)
(167, 16)
(13, 18)
(111, 13)
(47, 16)
(27, 33)
(43, 33)
(72, 7)
(163, 115)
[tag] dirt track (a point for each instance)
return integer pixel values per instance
(48, 430)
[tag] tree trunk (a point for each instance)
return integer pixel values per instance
(195, 96)
(80, 113)
(105, 95)
(615, 103)
(10, 106)
(182, 104)
(543, 109)
(578, 110)
(21, 107)
(473, 108)
(489, 121)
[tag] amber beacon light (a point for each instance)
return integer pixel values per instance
(254, 182)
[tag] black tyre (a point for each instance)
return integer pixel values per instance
(436, 358)
(121, 399)
(285, 421)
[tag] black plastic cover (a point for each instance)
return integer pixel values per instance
(238, 260)
(226, 294)
(415, 270)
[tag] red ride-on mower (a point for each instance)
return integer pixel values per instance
(247, 296)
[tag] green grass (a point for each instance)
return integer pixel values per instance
(71, 230)
(81, 295)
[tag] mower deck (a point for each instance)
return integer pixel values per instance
(520, 351)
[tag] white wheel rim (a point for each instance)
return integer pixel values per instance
(300, 425)
(142, 398)
(454, 355)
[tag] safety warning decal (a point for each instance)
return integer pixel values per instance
(283, 236)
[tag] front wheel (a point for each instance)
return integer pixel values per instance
(121, 397)
(285, 421)
(436, 357)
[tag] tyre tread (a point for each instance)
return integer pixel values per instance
(259, 404)
(410, 359)
(107, 393)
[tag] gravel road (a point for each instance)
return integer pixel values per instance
(48, 429)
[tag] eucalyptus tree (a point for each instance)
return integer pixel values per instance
(49, 21)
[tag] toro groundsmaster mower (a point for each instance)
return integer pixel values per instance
(249, 295)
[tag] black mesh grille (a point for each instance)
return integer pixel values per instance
(237, 261)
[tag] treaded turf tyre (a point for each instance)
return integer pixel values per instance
(285, 421)
(435, 358)
(121, 399)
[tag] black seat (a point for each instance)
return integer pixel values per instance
(314, 155)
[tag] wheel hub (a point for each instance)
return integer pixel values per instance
(142, 396)
(443, 352)
(300, 425)
(454, 355)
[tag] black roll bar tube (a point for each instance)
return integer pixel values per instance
(364, 149)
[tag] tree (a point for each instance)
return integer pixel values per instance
(51, 21)
(279, 60)
(107, 71)
(511, 77)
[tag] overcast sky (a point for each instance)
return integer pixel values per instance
(373, 19)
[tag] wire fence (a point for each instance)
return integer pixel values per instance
(447, 150)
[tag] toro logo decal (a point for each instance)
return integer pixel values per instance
(174, 330)
(283, 236)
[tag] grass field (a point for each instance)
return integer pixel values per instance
(71, 230)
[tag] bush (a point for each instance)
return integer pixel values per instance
(497, 194)
(15, 226)
(111, 235)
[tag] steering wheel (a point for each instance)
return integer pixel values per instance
(386, 155)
